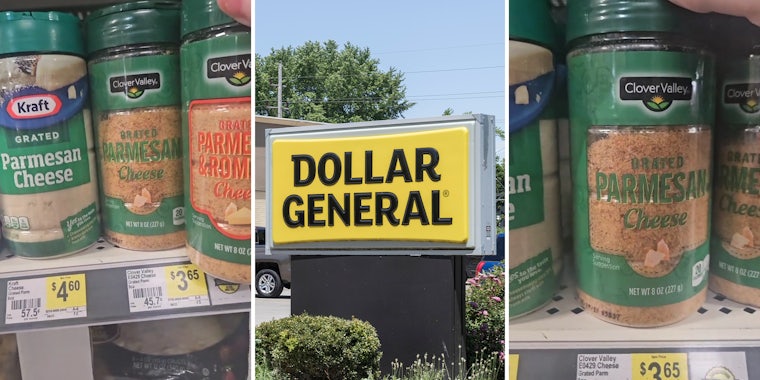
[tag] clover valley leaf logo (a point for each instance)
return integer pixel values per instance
(657, 103)
(239, 79)
(134, 92)
(656, 93)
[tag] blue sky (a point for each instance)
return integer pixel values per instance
(452, 52)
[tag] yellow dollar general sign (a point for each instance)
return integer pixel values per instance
(408, 186)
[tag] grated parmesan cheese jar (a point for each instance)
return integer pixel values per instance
(216, 62)
(641, 115)
(48, 184)
(735, 249)
(535, 246)
(134, 77)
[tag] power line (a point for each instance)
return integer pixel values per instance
(289, 78)
(439, 48)
(376, 100)
(461, 69)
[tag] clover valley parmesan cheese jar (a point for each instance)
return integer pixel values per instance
(535, 246)
(735, 261)
(641, 114)
(216, 99)
(48, 184)
(135, 82)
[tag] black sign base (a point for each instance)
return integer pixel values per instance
(416, 303)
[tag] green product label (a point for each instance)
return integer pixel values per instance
(79, 231)
(739, 99)
(217, 125)
(641, 160)
(205, 237)
(526, 184)
(217, 68)
(739, 270)
(42, 160)
(166, 217)
(135, 82)
(642, 88)
(531, 284)
(736, 207)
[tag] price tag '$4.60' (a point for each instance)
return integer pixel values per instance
(66, 291)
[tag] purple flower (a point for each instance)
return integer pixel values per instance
(484, 327)
(473, 304)
(496, 298)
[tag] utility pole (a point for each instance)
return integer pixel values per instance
(279, 89)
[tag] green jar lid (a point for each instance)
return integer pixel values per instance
(40, 32)
(139, 22)
(530, 20)
(202, 14)
(589, 17)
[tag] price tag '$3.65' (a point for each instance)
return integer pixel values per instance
(672, 366)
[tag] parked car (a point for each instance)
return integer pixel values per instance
(272, 271)
(489, 262)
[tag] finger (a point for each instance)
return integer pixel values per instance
(742, 8)
(240, 10)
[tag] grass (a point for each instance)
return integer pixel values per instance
(486, 367)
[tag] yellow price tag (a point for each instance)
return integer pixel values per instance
(185, 281)
(514, 360)
(660, 366)
(66, 291)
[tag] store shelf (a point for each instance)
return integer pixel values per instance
(558, 333)
(107, 294)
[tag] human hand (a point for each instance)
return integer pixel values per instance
(240, 10)
(744, 8)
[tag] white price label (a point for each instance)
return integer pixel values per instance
(46, 299)
(164, 288)
(225, 292)
(604, 366)
(146, 289)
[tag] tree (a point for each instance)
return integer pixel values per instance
(324, 83)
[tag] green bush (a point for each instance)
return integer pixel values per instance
(484, 318)
(309, 347)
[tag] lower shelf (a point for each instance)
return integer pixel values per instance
(107, 284)
(563, 341)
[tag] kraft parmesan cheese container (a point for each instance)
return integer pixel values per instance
(48, 184)
(215, 61)
(535, 247)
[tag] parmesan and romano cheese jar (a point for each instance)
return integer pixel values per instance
(641, 114)
(134, 78)
(535, 247)
(216, 98)
(48, 184)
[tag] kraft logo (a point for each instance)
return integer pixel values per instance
(34, 106)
